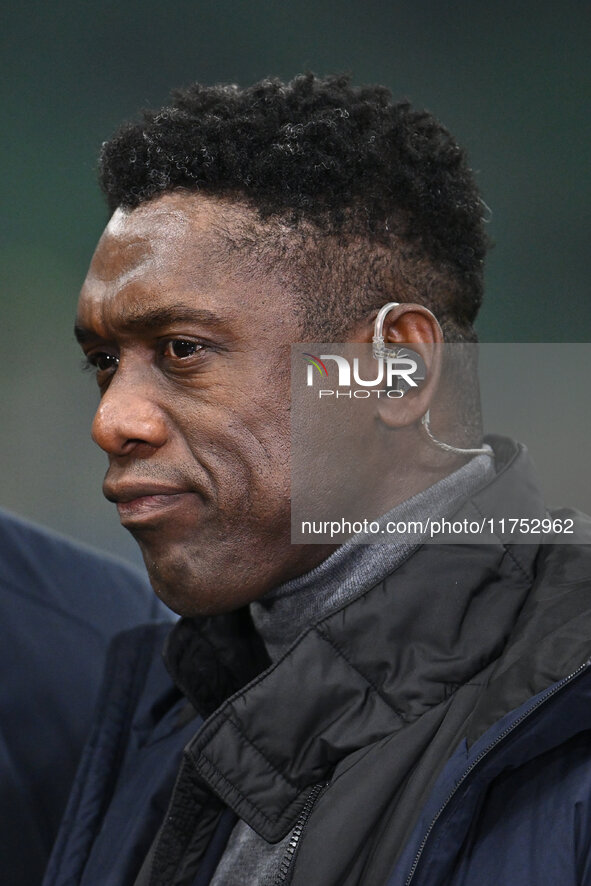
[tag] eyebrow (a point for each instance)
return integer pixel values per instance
(148, 320)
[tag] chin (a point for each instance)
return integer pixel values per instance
(188, 597)
(201, 580)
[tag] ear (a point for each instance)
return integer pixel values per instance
(416, 329)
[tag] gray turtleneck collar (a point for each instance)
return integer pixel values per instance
(283, 613)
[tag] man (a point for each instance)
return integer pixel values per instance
(60, 603)
(360, 714)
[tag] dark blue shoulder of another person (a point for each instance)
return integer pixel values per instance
(60, 605)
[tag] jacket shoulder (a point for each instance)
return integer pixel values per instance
(42, 569)
(534, 824)
(136, 716)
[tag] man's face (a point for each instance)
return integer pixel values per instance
(192, 360)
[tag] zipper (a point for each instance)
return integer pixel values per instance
(295, 837)
(484, 753)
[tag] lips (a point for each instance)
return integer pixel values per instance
(142, 502)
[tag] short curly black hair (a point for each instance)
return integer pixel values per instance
(378, 196)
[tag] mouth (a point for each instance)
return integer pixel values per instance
(140, 504)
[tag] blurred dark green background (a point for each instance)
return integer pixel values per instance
(511, 80)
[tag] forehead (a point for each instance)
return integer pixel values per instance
(179, 249)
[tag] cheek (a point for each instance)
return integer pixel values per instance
(244, 447)
(238, 431)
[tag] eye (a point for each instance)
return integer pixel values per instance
(102, 361)
(181, 348)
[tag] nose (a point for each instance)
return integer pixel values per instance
(129, 421)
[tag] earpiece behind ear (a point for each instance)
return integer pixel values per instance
(391, 352)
